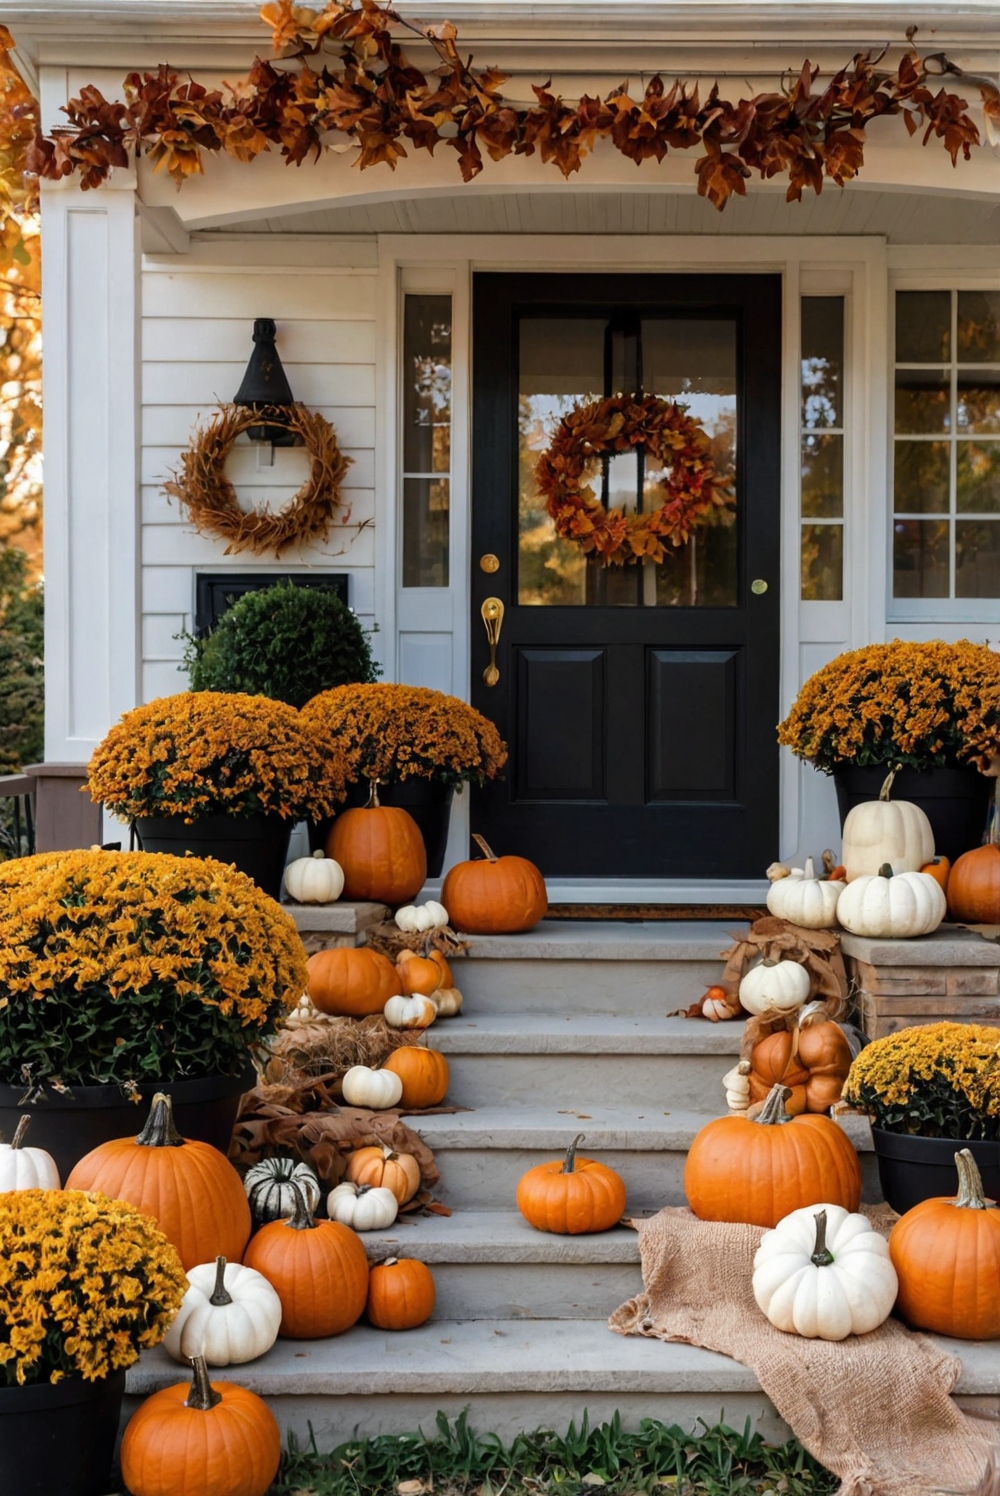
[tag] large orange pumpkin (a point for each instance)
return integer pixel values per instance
(974, 886)
(760, 1171)
(811, 1060)
(381, 851)
(401, 1294)
(351, 981)
(494, 895)
(215, 1439)
(946, 1253)
(424, 1074)
(190, 1189)
(318, 1269)
(571, 1196)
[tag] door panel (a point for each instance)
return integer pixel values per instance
(691, 721)
(560, 724)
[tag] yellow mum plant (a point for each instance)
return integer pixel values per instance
(85, 1284)
(922, 705)
(390, 732)
(133, 966)
(209, 752)
(938, 1080)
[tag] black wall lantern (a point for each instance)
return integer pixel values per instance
(266, 383)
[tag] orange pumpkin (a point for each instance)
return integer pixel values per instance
(571, 1196)
(381, 851)
(418, 974)
(811, 1060)
(424, 1074)
(382, 1168)
(946, 1253)
(216, 1439)
(447, 980)
(351, 982)
(189, 1188)
(494, 895)
(760, 1171)
(939, 868)
(401, 1294)
(974, 886)
(318, 1269)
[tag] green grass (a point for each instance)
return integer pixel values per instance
(456, 1461)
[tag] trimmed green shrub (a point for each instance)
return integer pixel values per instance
(22, 672)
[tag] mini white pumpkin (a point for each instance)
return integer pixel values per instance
(825, 1274)
(416, 1012)
(893, 906)
(448, 1001)
(884, 830)
(363, 1207)
(270, 1186)
(230, 1314)
(375, 1089)
(774, 987)
(737, 1086)
(314, 880)
(414, 919)
(306, 1013)
(26, 1168)
(805, 899)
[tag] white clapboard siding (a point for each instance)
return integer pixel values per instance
(171, 425)
(158, 509)
(318, 296)
(243, 467)
(165, 339)
(315, 385)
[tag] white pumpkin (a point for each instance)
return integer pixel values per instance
(305, 1013)
(825, 1274)
(805, 899)
(448, 1001)
(774, 987)
(893, 906)
(375, 1089)
(270, 1187)
(230, 1314)
(416, 1012)
(363, 1207)
(884, 830)
(414, 919)
(737, 1086)
(314, 880)
(26, 1168)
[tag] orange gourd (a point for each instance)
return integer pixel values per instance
(381, 851)
(419, 974)
(424, 1073)
(939, 868)
(494, 895)
(318, 1269)
(447, 980)
(974, 886)
(382, 1168)
(946, 1253)
(760, 1171)
(351, 982)
(811, 1060)
(571, 1196)
(401, 1294)
(216, 1439)
(189, 1188)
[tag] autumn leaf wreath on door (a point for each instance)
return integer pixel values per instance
(677, 449)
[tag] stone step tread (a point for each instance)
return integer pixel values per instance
(496, 1236)
(648, 1130)
(582, 1033)
(600, 940)
(497, 1356)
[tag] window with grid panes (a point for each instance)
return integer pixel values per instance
(426, 440)
(822, 449)
(946, 446)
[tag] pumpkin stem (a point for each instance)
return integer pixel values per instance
(769, 961)
(569, 1163)
(970, 1182)
(821, 1256)
(809, 871)
(373, 800)
(302, 1217)
(159, 1131)
(886, 789)
(203, 1395)
(319, 854)
(773, 1110)
(484, 847)
(391, 1262)
(220, 1293)
(21, 1128)
(885, 871)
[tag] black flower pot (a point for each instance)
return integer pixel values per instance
(60, 1440)
(914, 1169)
(955, 801)
(257, 844)
(69, 1126)
(428, 801)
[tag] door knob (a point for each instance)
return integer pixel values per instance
(492, 615)
(758, 586)
(489, 563)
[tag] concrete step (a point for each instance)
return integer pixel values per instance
(493, 1265)
(506, 1059)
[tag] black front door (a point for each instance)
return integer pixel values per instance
(639, 703)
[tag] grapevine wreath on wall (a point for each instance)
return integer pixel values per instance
(691, 484)
(200, 484)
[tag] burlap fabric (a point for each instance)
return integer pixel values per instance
(875, 1409)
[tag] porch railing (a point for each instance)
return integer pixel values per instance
(17, 815)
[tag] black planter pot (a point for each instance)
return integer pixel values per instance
(256, 844)
(428, 801)
(955, 801)
(69, 1126)
(915, 1169)
(60, 1440)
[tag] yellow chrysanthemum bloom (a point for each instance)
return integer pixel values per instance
(933, 1080)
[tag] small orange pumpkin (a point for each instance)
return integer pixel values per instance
(974, 886)
(382, 1168)
(381, 851)
(418, 974)
(318, 1269)
(401, 1294)
(201, 1437)
(424, 1073)
(939, 868)
(494, 895)
(351, 981)
(571, 1196)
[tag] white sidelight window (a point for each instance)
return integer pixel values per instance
(822, 449)
(426, 454)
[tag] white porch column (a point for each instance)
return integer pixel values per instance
(90, 301)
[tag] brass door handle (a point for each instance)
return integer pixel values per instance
(492, 614)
